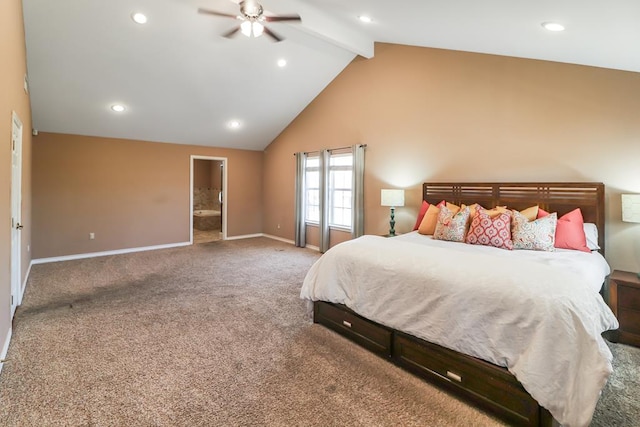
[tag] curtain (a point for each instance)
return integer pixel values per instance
(324, 201)
(301, 226)
(357, 195)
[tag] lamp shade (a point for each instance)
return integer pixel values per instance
(392, 198)
(631, 207)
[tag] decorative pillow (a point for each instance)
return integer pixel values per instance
(531, 213)
(570, 231)
(451, 226)
(591, 233)
(453, 208)
(488, 231)
(536, 235)
(495, 211)
(428, 223)
(472, 210)
(423, 210)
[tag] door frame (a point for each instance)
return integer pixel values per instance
(16, 211)
(225, 195)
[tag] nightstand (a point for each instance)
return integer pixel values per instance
(624, 299)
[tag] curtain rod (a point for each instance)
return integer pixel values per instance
(332, 149)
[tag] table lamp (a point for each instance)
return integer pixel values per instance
(393, 198)
(631, 209)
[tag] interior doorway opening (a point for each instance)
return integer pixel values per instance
(16, 212)
(208, 204)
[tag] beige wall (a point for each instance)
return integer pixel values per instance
(129, 193)
(12, 98)
(202, 173)
(438, 115)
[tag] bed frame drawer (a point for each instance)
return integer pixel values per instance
(488, 385)
(374, 337)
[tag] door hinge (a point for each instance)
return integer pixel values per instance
(12, 222)
(11, 299)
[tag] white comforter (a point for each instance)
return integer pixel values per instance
(537, 313)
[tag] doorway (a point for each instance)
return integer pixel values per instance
(16, 211)
(208, 199)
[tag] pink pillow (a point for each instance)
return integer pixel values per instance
(423, 210)
(488, 231)
(569, 231)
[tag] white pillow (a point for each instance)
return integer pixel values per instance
(591, 233)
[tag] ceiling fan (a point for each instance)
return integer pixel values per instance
(252, 17)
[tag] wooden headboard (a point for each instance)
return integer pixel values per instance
(560, 197)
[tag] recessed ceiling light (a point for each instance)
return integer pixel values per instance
(233, 124)
(365, 18)
(282, 63)
(552, 26)
(140, 18)
(118, 108)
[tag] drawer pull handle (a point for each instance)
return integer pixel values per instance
(453, 376)
(347, 324)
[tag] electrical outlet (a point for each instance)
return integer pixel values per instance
(278, 226)
(28, 248)
(92, 236)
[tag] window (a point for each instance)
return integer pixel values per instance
(312, 190)
(340, 190)
(340, 184)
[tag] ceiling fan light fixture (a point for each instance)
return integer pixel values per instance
(252, 28)
(245, 27)
(258, 29)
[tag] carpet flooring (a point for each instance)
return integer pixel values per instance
(216, 335)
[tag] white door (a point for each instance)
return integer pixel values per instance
(16, 211)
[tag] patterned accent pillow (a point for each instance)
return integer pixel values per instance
(536, 235)
(488, 231)
(451, 225)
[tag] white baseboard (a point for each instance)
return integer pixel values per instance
(245, 236)
(291, 242)
(146, 248)
(5, 348)
(105, 253)
(24, 283)
(280, 239)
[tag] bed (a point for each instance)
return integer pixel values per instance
(526, 346)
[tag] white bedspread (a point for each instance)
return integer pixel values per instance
(537, 313)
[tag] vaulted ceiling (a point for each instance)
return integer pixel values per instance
(181, 82)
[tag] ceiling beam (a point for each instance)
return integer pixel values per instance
(322, 25)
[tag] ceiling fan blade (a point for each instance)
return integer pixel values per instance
(213, 12)
(231, 33)
(282, 18)
(276, 38)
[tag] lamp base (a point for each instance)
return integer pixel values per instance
(392, 223)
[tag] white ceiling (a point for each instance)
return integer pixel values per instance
(181, 82)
